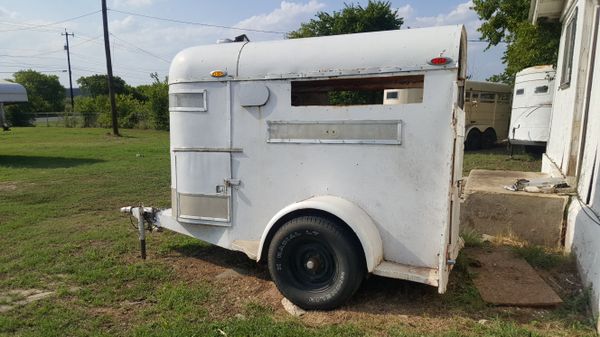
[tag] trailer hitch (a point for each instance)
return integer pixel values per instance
(145, 216)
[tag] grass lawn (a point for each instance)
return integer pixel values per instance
(60, 191)
(498, 159)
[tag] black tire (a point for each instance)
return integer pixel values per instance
(316, 263)
(473, 141)
(488, 138)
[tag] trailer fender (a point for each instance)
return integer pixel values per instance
(354, 216)
(474, 126)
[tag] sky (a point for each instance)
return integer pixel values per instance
(146, 34)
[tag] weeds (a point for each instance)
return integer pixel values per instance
(471, 238)
(542, 258)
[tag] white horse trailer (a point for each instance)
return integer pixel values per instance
(10, 93)
(532, 106)
(283, 150)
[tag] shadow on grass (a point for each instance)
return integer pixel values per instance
(225, 258)
(43, 162)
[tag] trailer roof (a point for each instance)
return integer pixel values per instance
(536, 69)
(12, 92)
(338, 55)
(487, 86)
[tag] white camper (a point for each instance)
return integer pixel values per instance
(10, 93)
(283, 150)
(532, 106)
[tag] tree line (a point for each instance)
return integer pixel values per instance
(144, 106)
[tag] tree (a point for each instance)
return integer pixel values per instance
(96, 85)
(157, 101)
(527, 44)
(378, 15)
(44, 92)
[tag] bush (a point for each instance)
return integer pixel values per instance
(19, 114)
(131, 113)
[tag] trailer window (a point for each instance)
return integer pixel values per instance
(520, 91)
(569, 47)
(392, 95)
(503, 97)
(487, 97)
(187, 101)
(541, 90)
(356, 91)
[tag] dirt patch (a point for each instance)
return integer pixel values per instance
(10, 186)
(18, 297)
(379, 305)
(237, 279)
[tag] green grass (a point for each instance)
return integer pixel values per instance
(471, 238)
(498, 158)
(60, 191)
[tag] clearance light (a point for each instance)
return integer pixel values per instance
(440, 61)
(217, 73)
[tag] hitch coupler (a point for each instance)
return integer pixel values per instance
(143, 215)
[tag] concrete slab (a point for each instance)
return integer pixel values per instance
(488, 208)
(502, 278)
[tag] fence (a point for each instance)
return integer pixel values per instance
(92, 119)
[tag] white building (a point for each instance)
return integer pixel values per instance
(574, 147)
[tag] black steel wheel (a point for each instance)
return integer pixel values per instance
(473, 141)
(316, 263)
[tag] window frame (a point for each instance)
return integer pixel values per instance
(302, 89)
(536, 92)
(566, 73)
(204, 93)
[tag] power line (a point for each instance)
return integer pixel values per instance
(26, 56)
(483, 41)
(31, 26)
(39, 71)
(140, 49)
(198, 23)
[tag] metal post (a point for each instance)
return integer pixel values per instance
(142, 232)
(111, 92)
(69, 64)
(3, 122)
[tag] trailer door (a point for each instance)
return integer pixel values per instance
(202, 153)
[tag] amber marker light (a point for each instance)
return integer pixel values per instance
(218, 73)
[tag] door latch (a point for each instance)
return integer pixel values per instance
(232, 182)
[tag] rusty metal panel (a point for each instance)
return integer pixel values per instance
(336, 132)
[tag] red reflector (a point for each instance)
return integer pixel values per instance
(439, 61)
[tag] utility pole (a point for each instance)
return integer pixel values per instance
(111, 92)
(69, 64)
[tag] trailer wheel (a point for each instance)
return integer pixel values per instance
(316, 263)
(473, 141)
(488, 138)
